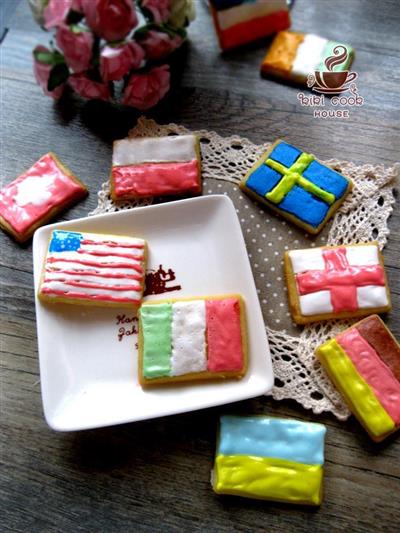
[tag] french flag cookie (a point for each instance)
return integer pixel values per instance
(296, 185)
(364, 363)
(238, 22)
(158, 166)
(270, 459)
(37, 196)
(336, 282)
(294, 56)
(188, 340)
(90, 268)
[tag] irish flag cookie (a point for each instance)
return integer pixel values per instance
(238, 22)
(37, 196)
(270, 459)
(192, 339)
(294, 56)
(156, 166)
(89, 268)
(364, 364)
(296, 185)
(336, 282)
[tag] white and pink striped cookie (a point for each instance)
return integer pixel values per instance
(158, 166)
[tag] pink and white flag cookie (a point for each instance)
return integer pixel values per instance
(336, 282)
(156, 166)
(103, 270)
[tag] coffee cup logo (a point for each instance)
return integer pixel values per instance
(330, 81)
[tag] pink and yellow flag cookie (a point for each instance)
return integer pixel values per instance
(364, 364)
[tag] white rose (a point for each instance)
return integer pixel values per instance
(182, 12)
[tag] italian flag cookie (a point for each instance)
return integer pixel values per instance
(294, 56)
(270, 459)
(364, 363)
(192, 339)
(159, 166)
(336, 282)
(238, 22)
(37, 196)
(90, 268)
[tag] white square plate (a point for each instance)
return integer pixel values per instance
(89, 372)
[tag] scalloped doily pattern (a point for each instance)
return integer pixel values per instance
(361, 218)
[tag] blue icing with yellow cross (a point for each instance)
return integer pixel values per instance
(298, 184)
(65, 241)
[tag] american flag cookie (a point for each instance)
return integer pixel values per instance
(364, 363)
(297, 186)
(336, 282)
(89, 268)
(38, 195)
(204, 338)
(155, 166)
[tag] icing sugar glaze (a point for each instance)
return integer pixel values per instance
(44, 187)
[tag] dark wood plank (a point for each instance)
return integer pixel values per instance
(154, 475)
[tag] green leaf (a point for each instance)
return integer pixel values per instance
(43, 57)
(58, 75)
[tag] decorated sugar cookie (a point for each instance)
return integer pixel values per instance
(37, 196)
(193, 339)
(294, 56)
(364, 363)
(238, 22)
(296, 185)
(158, 166)
(270, 459)
(89, 268)
(336, 282)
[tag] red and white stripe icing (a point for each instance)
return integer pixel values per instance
(104, 268)
(373, 370)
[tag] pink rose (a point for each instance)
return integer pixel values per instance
(110, 19)
(88, 88)
(146, 90)
(160, 9)
(158, 45)
(56, 12)
(76, 47)
(77, 6)
(42, 71)
(116, 61)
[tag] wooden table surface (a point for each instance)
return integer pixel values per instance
(154, 475)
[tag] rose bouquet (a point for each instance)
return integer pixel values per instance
(113, 50)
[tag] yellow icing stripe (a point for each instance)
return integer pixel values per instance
(268, 478)
(293, 176)
(358, 394)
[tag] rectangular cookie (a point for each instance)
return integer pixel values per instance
(90, 268)
(364, 363)
(37, 196)
(192, 339)
(294, 56)
(270, 459)
(296, 185)
(336, 282)
(238, 22)
(155, 166)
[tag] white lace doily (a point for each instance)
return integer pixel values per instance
(361, 218)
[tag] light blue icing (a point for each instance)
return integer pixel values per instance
(263, 179)
(326, 178)
(262, 436)
(285, 154)
(65, 241)
(304, 206)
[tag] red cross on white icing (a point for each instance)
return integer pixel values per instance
(340, 278)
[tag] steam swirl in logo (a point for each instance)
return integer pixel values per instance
(338, 58)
